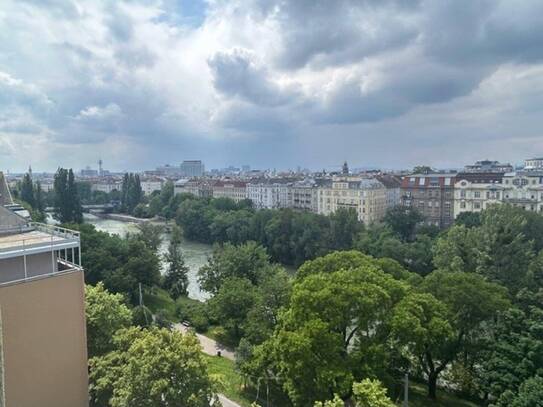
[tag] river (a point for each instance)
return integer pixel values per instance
(196, 254)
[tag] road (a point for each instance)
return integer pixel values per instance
(211, 347)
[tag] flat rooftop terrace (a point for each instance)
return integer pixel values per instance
(36, 238)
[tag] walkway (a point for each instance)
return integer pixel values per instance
(211, 347)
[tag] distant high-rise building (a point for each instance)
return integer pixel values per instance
(192, 168)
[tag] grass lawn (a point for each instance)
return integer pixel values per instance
(158, 299)
(418, 398)
(224, 369)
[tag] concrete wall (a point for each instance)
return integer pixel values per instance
(44, 342)
(37, 264)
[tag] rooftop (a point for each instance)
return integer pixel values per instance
(33, 238)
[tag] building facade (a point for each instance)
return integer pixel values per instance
(474, 192)
(235, 190)
(270, 193)
(149, 186)
(393, 189)
(486, 166)
(192, 168)
(524, 189)
(366, 196)
(43, 343)
(534, 164)
(432, 194)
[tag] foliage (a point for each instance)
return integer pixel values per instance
(367, 393)
(248, 261)
(150, 234)
(149, 368)
(193, 311)
(67, 204)
(175, 280)
(403, 221)
(232, 303)
(333, 328)
(437, 331)
(131, 192)
(468, 219)
(290, 237)
(105, 313)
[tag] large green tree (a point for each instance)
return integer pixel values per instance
(335, 325)
(436, 331)
(67, 203)
(249, 261)
(105, 313)
(403, 221)
(150, 368)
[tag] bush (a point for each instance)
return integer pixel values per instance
(193, 311)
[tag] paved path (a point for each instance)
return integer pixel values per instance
(210, 347)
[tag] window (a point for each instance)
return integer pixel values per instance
(422, 181)
(463, 193)
(477, 205)
(463, 205)
(477, 194)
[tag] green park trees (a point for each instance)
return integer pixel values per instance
(67, 203)
(151, 367)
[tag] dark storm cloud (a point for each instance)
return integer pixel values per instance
(348, 77)
(235, 73)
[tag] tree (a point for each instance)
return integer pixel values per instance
(344, 227)
(67, 204)
(468, 219)
(248, 261)
(232, 303)
(403, 221)
(457, 250)
(514, 351)
(421, 323)
(367, 393)
(334, 328)
(176, 280)
(437, 331)
(27, 190)
(148, 368)
(150, 235)
(505, 251)
(105, 313)
(530, 394)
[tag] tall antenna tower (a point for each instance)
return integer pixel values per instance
(100, 162)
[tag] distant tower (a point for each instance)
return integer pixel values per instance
(100, 162)
(345, 169)
(30, 171)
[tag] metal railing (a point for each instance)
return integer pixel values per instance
(28, 242)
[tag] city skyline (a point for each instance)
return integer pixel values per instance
(269, 84)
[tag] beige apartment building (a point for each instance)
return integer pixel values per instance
(233, 189)
(474, 192)
(43, 349)
(367, 196)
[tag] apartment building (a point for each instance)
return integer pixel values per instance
(270, 193)
(486, 166)
(367, 196)
(106, 186)
(474, 192)
(43, 349)
(233, 189)
(150, 185)
(533, 164)
(393, 185)
(304, 195)
(432, 194)
(524, 189)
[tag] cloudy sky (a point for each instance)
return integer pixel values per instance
(269, 83)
